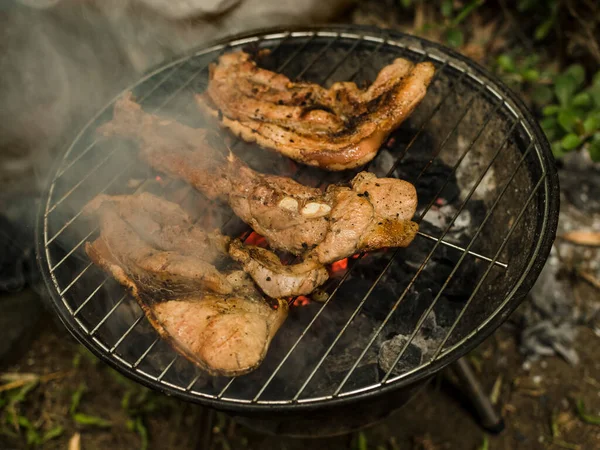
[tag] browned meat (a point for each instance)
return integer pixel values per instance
(323, 226)
(337, 128)
(217, 320)
(275, 279)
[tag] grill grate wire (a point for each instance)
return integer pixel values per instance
(465, 250)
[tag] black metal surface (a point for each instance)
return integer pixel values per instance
(514, 223)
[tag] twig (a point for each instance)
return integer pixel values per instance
(75, 442)
(496, 389)
(589, 278)
(567, 445)
(33, 378)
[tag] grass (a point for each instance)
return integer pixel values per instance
(586, 417)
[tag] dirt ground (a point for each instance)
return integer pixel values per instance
(80, 398)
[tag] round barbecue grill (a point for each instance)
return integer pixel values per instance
(386, 321)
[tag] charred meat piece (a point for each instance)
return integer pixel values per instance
(323, 226)
(338, 128)
(217, 320)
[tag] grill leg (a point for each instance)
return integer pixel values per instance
(489, 419)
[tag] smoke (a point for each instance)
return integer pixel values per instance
(63, 59)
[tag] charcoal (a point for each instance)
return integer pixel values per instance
(362, 376)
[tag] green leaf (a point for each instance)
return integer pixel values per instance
(447, 8)
(125, 401)
(530, 75)
(361, 443)
(594, 92)
(582, 100)
(52, 433)
(31, 433)
(485, 445)
(550, 110)
(466, 11)
(506, 63)
(76, 398)
(577, 72)
(24, 422)
(557, 150)
(33, 437)
(140, 429)
(564, 88)
(84, 419)
(542, 95)
(406, 3)
(596, 79)
(20, 395)
(570, 141)
(586, 417)
(130, 425)
(550, 127)
(455, 37)
(594, 148)
(525, 5)
(567, 119)
(591, 124)
(544, 28)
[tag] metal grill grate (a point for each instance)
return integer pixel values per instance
(467, 119)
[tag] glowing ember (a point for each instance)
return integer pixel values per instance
(342, 264)
(301, 300)
(256, 239)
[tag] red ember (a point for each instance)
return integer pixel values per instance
(256, 239)
(301, 300)
(337, 266)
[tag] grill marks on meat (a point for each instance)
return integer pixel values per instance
(218, 320)
(338, 128)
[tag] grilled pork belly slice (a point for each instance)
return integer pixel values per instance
(338, 128)
(217, 320)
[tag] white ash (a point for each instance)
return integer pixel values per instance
(469, 172)
(420, 350)
(383, 163)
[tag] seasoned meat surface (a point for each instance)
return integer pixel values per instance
(274, 278)
(321, 225)
(338, 128)
(216, 319)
